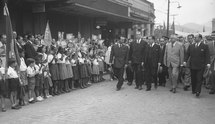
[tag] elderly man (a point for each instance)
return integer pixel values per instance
(119, 57)
(199, 58)
(173, 59)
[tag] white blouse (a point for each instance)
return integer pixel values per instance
(12, 73)
(23, 66)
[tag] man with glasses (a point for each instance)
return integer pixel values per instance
(199, 58)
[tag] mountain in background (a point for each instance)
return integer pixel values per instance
(194, 28)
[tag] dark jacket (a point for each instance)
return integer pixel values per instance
(137, 52)
(153, 56)
(30, 51)
(199, 57)
(119, 55)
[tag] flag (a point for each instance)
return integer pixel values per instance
(164, 26)
(204, 29)
(173, 27)
(11, 48)
(48, 36)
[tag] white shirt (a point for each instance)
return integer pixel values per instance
(59, 56)
(81, 60)
(50, 57)
(23, 66)
(12, 73)
(31, 71)
(95, 62)
(153, 44)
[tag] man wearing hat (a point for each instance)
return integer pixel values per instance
(136, 59)
(119, 57)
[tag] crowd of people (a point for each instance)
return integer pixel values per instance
(45, 71)
(187, 60)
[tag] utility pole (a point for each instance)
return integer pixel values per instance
(167, 30)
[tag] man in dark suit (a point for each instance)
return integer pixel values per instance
(152, 62)
(164, 71)
(211, 45)
(199, 58)
(30, 52)
(136, 59)
(119, 57)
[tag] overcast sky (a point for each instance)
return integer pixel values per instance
(196, 11)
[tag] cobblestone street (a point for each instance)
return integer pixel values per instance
(101, 104)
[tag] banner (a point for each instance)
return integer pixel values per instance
(11, 50)
(47, 36)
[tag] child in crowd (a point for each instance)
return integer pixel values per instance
(53, 69)
(101, 65)
(31, 73)
(75, 69)
(61, 60)
(69, 71)
(95, 70)
(3, 92)
(23, 78)
(13, 83)
(39, 78)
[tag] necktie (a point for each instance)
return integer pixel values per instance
(196, 45)
(172, 45)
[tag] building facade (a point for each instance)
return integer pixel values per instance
(110, 18)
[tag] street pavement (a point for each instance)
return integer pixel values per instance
(102, 104)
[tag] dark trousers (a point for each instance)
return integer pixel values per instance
(212, 80)
(196, 79)
(162, 76)
(138, 74)
(118, 72)
(130, 74)
(151, 77)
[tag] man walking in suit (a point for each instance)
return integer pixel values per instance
(187, 76)
(152, 62)
(136, 59)
(199, 58)
(211, 45)
(173, 59)
(119, 57)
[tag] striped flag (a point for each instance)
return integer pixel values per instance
(11, 50)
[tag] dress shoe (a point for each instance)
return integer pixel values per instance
(156, 86)
(212, 92)
(118, 89)
(3, 110)
(197, 94)
(136, 87)
(174, 90)
(129, 83)
(171, 90)
(148, 89)
(193, 92)
(185, 88)
(140, 88)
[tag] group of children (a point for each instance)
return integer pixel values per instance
(54, 71)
